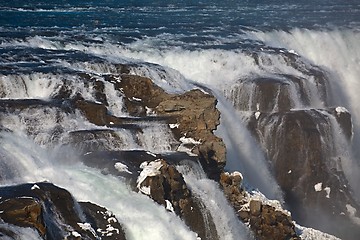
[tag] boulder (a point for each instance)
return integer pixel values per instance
(53, 213)
(24, 212)
(165, 185)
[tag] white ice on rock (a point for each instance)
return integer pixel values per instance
(312, 234)
(172, 125)
(121, 167)
(256, 195)
(75, 234)
(327, 190)
(340, 110)
(35, 187)
(169, 206)
(186, 140)
(149, 169)
(87, 227)
(318, 187)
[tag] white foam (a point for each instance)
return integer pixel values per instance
(87, 184)
(227, 224)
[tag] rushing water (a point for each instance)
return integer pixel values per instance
(179, 44)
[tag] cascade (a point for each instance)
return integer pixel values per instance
(227, 224)
(32, 164)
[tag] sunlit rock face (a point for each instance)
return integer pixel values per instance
(192, 114)
(265, 220)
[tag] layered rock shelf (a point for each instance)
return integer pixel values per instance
(298, 143)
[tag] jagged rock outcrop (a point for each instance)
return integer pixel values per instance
(165, 185)
(55, 214)
(300, 134)
(307, 164)
(193, 115)
(264, 220)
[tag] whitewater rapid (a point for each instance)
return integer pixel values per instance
(176, 68)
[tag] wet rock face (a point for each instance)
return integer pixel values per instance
(25, 212)
(305, 160)
(53, 213)
(276, 94)
(264, 220)
(167, 187)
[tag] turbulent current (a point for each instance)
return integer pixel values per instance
(266, 62)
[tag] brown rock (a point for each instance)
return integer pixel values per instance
(169, 187)
(264, 220)
(255, 207)
(24, 212)
(194, 111)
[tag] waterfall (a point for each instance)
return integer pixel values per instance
(227, 224)
(141, 217)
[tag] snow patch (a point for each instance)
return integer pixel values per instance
(136, 99)
(169, 206)
(185, 140)
(289, 171)
(340, 110)
(152, 154)
(318, 187)
(148, 170)
(109, 231)
(327, 190)
(112, 220)
(145, 190)
(256, 195)
(172, 126)
(257, 115)
(35, 187)
(75, 234)
(293, 52)
(312, 234)
(149, 111)
(236, 173)
(121, 167)
(87, 227)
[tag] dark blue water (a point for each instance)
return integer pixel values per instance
(190, 25)
(124, 21)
